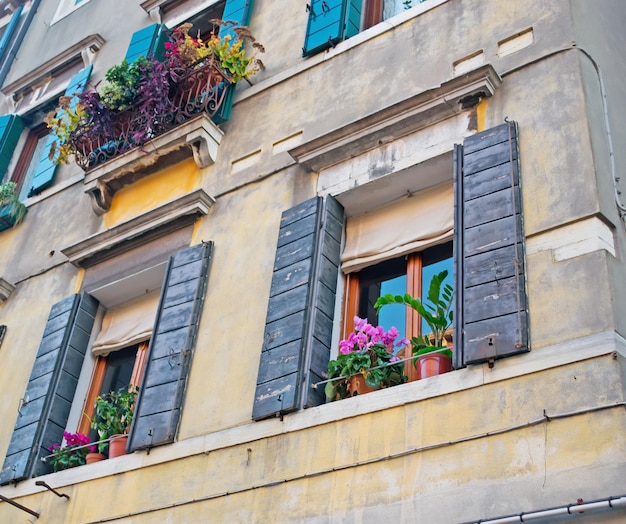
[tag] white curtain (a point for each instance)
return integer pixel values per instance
(127, 324)
(405, 225)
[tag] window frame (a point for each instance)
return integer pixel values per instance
(97, 380)
(27, 155)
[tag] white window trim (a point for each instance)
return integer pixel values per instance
(191, 8)
(66, 7)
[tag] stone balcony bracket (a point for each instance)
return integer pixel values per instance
(198, 138)
(6, 288)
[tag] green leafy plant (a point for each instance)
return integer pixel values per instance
(371, 352)
(10, 201)
(114, 414)
(436, 311)
(72, 454)
(122, 83)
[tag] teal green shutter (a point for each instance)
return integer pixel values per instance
(330, 21)
(42, 417)
(353, 18)
(299, 322)
(8, 32)
(236, 11)
(149, 41)
(11, 127)
(492, 315)
(44, 174)
(161, 393)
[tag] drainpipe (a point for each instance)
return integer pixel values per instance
(570, 509)
(17, 42)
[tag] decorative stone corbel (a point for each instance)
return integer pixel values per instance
(101, 196)
(6, 288)
(203, 147)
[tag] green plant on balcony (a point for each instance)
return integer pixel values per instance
(73, 454)
(142, 100)
(10, 205)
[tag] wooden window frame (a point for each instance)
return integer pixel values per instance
(97, 380)
(35, 134)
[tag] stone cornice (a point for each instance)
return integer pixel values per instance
(403, 118)
(159, 222)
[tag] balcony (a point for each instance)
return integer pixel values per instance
(116, 148)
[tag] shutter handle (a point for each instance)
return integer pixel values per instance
(22, 403)
(325, 7)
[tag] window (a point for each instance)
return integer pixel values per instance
(118, 370)
(28, 159)
(490, 312)
(55, 374)
(408, 274)
(331, 21)
(67, 7)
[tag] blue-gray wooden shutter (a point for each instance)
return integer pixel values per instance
(149, 41)
(161, 393)
(11, 127)
(42, 417)
(44, 174)
(8, 32)
(492, 316)
(237, 11)
(298, 328)
(330, 21)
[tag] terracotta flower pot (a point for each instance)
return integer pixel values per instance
(433, 364)
(356, 384)
(90, 458)
(117, 445)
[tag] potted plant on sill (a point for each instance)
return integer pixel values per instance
(368, 360)
(12, 211)
(430, 352)
(114, 414)
(73, 454)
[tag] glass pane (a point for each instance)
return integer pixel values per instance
(383, 278)
(119, 369)
(393, 7)
(436, 260)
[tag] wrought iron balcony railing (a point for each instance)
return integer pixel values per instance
(203, 88)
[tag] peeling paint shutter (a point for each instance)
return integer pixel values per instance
(149, 41)
(330, 21)
(11, 127)
(44, 174)
(298, 329)
(493, 319)
(160, 399)
(46, 404)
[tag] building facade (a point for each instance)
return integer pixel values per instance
(216, 259)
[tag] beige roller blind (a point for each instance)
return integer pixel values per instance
(127, 324)
(405, 225)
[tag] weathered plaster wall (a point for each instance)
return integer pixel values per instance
(282, 470)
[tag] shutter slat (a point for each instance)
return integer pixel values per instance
(298, 330)
(491, 319)
(50, 389)
(159, 403)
